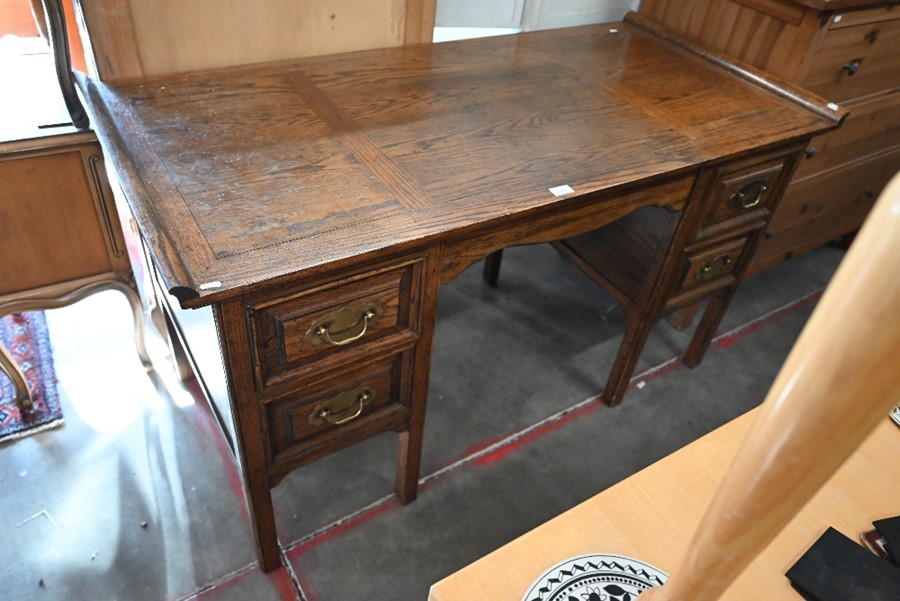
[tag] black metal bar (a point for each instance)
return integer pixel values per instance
(59, 44)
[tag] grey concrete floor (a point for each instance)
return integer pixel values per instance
(514, 436)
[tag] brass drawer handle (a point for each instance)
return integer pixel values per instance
(344, 326)
(343, 408)
(714, 267)
(749, 195)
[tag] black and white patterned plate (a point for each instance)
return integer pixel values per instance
(597, 577)
(895, 415)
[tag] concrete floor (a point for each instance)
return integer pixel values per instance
(513, 437)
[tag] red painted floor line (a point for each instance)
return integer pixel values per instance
(496, 449)
(728, 339)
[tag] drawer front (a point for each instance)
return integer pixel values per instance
(331, 413)
(859, 55)
(710, 265)
(58, 194)
(742, 194)
(333, 324)
(871, 127)
(818, 209)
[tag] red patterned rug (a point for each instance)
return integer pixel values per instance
(26, 338)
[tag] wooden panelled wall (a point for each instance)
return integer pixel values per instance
(769, 34)
(136, 38)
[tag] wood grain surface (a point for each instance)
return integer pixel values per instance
(246, 175)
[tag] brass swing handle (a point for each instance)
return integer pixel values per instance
(345, 325)
(714, 267)
(749, 195)
(343, 408)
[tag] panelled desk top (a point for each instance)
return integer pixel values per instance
(317, 205)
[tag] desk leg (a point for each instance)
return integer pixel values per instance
(636, 335)
(408, 460)
(234, 339)
(715, 310)
(9, 367)
(492, 267)
(683, 318)
(718, 304)
(410, 444)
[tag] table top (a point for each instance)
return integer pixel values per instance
(247, 175)
(652, 515)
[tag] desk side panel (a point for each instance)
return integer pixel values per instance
(197, 329)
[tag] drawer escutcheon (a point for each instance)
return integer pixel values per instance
(343, 408)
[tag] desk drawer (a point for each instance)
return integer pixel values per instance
(742, 194)
(706, 271)
(331, 325)
(330, 414)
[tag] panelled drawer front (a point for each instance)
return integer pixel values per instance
(327, 326)
(708, 265)
(344, 405)
(858, 56)
(871, 127)
(742, 195)
(818, 209)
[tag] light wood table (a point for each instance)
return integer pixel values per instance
(652, 515)
(62, 240)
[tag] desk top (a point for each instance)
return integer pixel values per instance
(652, 516)
(247, 175)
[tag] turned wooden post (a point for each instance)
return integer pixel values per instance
(839, 381)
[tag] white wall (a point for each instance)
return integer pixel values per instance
(479, 13)
(527, 15)
(547, 14)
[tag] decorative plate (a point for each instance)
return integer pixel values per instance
(595, 578)
(895, 415)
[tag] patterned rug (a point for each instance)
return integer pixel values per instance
(26, 338)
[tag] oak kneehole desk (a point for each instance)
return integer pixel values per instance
(318, 205)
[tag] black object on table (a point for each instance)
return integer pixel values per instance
(836, 568)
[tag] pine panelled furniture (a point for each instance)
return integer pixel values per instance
(313, 208)
(847, 51)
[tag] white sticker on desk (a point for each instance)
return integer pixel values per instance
(210, 285)
(561, 190)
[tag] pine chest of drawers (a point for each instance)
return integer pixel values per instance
(847, 51)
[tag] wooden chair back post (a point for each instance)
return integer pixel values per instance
(841, 378)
